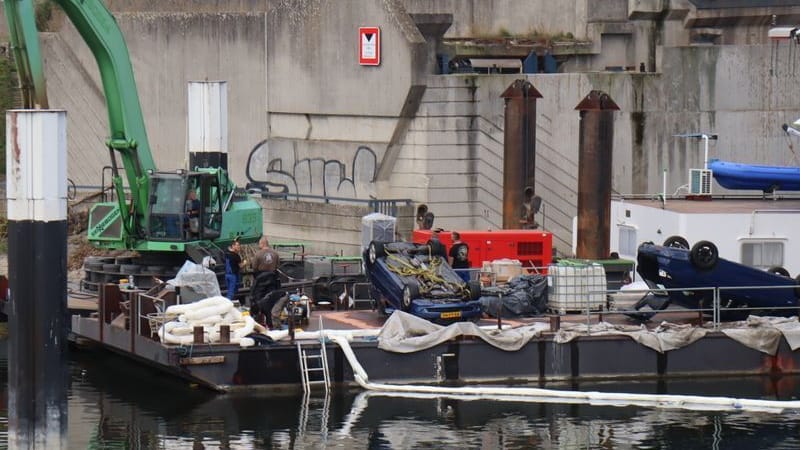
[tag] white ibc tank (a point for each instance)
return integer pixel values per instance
(377, 227)
(574, 288)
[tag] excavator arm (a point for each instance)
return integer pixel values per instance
(155, 220)
(25, 47)
(128, 135)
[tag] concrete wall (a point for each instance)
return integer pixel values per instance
(306, 118)
(312, 59)
(452, 157)
(483, 18)
(331, 119)
(167, 51)
(326, 229)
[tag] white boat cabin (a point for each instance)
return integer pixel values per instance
(758, 232)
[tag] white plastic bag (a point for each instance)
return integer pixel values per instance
(202, 281)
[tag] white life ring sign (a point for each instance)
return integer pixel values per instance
(369, 48)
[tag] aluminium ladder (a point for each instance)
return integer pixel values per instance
(314, 365)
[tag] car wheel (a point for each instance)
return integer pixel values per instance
(778, 270)
(474, 289)
(704, 255)
(677, 242)
(376, 250)
(410, 292)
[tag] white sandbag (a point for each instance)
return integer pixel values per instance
(246, 329)
(175, 310)
(234, 314)
(213, 310)
(209, 320)
(165, 333)
(182, 331)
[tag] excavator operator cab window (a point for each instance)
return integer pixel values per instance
(168, 220)
(184, 207)
(209, 194)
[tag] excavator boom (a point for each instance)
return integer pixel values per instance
(156, 220)
(128, 135)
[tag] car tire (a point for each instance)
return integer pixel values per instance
(376, 250)
(778, 270)
(474, 287)
(677, 242)
(704, 255)
(410, 292)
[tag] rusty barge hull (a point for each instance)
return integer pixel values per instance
(228, 367)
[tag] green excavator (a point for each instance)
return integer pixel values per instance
(152, 220)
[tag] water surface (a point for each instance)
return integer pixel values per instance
(114, 404)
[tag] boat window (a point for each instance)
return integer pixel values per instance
(762, 254)
(627, 240)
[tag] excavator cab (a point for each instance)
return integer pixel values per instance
(184, 207)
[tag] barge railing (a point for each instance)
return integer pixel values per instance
(388, 206)
(716, 308)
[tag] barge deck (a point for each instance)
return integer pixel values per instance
(562, 349)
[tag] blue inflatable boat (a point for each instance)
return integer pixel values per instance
(762, 178)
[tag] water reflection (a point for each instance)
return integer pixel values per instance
(116, 404)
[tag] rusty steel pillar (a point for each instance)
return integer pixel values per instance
(596, 141)
(519, 151)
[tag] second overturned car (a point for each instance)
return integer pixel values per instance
(407, 277)
(692, 275)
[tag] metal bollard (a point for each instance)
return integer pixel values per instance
(225, 334)
(291, 322)
(500, 315)
(198, 335)
(555, 323)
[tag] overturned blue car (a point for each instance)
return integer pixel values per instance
(407, 277)
(693, 271)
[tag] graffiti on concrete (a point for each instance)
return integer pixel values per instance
(281, 170)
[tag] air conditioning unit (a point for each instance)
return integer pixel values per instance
(700, 181)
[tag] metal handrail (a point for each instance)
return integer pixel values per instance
(387, 206)
(151, 320)
(644, 292)
(716, 307)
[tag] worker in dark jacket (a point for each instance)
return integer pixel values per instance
(436, 246)
(266, 259)
(459, 256)
(233, 267)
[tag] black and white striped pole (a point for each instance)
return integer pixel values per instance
(36, 182)
(208, 124)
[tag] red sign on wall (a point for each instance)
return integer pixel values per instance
(369, 46)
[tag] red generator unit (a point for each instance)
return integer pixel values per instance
(533, 248)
